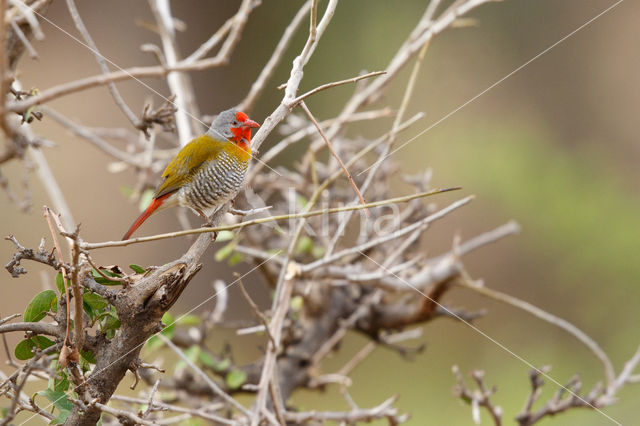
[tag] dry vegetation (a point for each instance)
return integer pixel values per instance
(335, 262)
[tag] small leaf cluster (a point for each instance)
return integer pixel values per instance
(234, 378)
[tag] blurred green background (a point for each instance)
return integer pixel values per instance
(554, 146)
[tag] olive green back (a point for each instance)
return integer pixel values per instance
(188, 161)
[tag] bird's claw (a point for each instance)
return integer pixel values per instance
(209, 224)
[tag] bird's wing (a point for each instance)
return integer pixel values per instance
(187, 162)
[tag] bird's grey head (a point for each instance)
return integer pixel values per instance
(222, 124)
(232, 125)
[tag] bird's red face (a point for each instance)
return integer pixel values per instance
(241, 129)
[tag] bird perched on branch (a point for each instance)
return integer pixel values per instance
(208, 171)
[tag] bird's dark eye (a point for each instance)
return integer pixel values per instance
(235, 123)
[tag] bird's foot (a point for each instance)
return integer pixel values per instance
(209, 224)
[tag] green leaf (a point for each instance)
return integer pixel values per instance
(137, 268)
(23, 349)
(61, 419)
(61, 384)
(95, 300)
(193, 353)
(127, 191)
(89, 310)
(235, 378)
(61, 401)
(110, 322)
(224, 236)
(88, 356)
(207, 360)
(236, 258)
(169, 322)
(40, 305)
(106, 272)
(302, 200)
(225, 251)
(318, 251)
(189, 320)
(153, 343)
(42, 342)
(145, 199)
(223, 365)
(305, 245)
(60, 283)
(296, 303)
(84, 364)
(102, 280)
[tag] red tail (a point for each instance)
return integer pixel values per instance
(155, 203)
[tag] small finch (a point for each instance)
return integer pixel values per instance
(208, 171)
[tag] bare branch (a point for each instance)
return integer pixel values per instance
(479, 398)
(35, 327)
(216, 389)
(480, 288)
(258, 86)
(382, 411)
(93, 246)
(335, 155)
(115, 94)
(302, 97)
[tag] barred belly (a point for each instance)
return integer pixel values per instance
(214, 184)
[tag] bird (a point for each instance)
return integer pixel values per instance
(208, 171)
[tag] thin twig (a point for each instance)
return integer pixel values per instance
(308, 131)
(150, 404)
(93, 246)
(169, 407)
(335, 154)
(177, 81)
(4, 66)
(302, 97)
(24, 40)
(297, 72)
(478, 287)
(395, 131)
(384, 410)
(47, 215)
(115, 94)
(256, 310)
(213, 385)
(343, 254)
(258, 85)
(118, 414)
(75, 285)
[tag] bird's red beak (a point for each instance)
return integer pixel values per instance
(250, 123)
